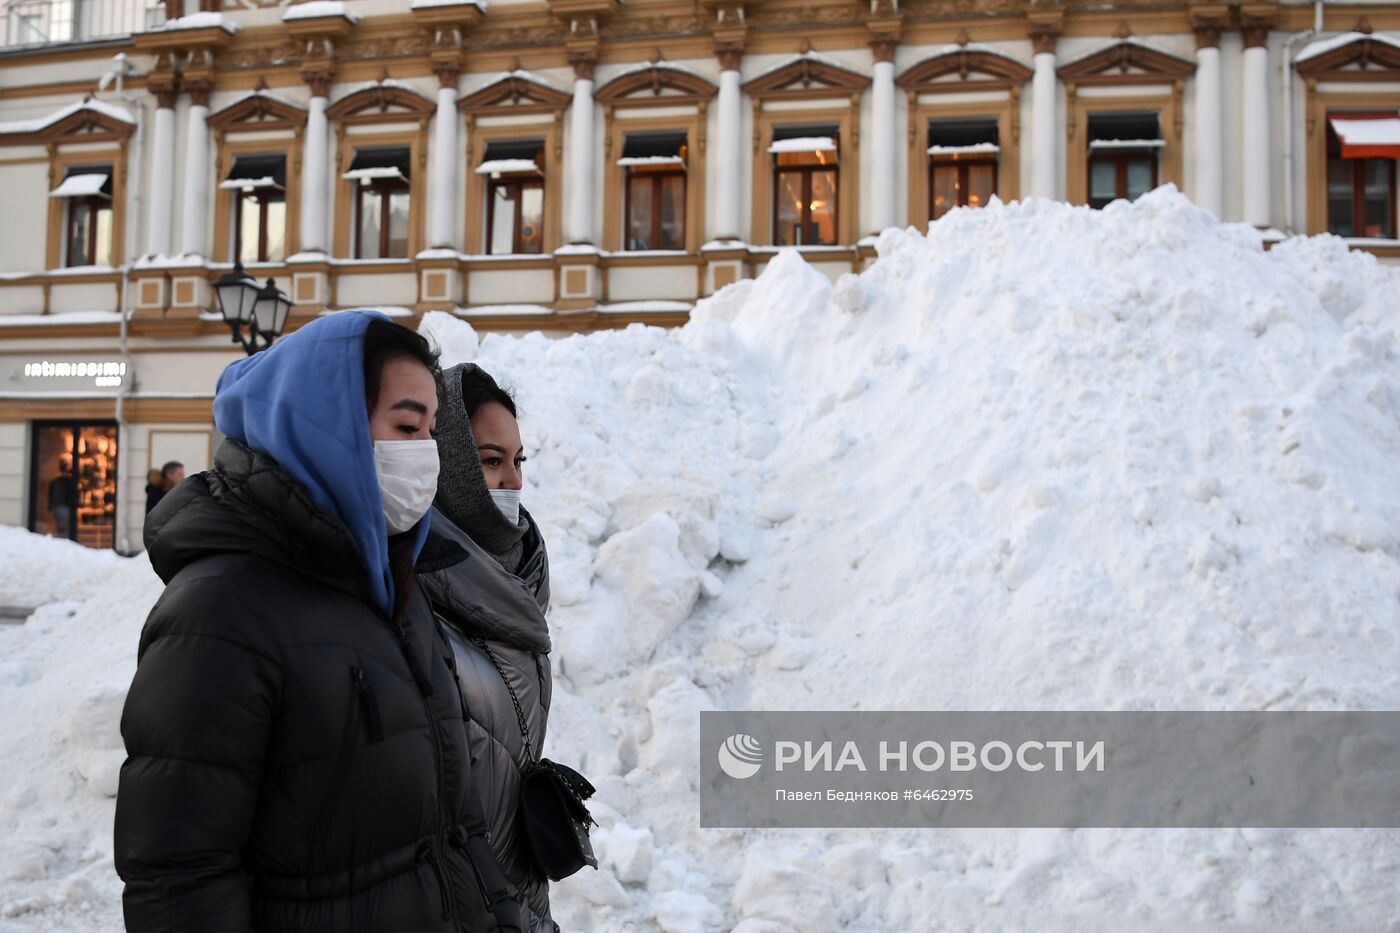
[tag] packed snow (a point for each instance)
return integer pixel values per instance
(1040, 458)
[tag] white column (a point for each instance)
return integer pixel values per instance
(883, 208)
(162, 175)
(1258, 186)
(1045, 136)
(315, 165)
(1210, 132)
(197, 208)
(444, 167)
(729, 176)
(581, 161)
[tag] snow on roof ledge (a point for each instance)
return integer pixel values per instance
(206, 20)
(650, 160)
(503, 166)
(804, 144)
(80, 186)
(962, 150)
(1128, 144)
(369, 174)
(431, 4)
(317, 9)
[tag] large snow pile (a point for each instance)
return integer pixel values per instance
(1042, 457)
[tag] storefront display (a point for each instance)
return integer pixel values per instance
(73, 491)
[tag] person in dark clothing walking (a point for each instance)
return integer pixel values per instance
(63, 495)
(297, 758)
(159, 482)
(486, 574)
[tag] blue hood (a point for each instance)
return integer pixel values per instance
(302, 402)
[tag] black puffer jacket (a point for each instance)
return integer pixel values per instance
(486, 609)
(296, 760)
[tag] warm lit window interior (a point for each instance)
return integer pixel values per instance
(962, 157)
(1124, 149)
(805, 160)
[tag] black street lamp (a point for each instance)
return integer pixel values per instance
(243, 304)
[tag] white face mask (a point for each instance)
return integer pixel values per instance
(408, 474)
(508, 501)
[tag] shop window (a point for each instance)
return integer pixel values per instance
(654, 165)
(1124, 155)
(1362, 150)
(381, 179)
(86, 192)
(514, 196)
(805, 160)
(73, 491)
(962, 163)
(257, 185)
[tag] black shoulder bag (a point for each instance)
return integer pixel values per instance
(551, 801)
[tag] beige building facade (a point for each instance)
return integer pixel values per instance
(577, 164)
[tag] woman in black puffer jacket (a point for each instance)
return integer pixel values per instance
(296, 753)
(486, 574)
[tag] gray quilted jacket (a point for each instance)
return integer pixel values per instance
(487, 612)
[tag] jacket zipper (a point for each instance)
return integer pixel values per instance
(343, 755)
(426, 854)
(425, 692)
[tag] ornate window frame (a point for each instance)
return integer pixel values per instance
(404, 116)
(977, 71)
(1329, 80)
(503, 110)
(78, 139)
(1136, 69)
(262, 116)
(625, 101)
(807, 78)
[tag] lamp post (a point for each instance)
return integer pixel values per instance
(243, 304)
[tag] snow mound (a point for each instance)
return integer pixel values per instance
(35, 569)
(1039, 457)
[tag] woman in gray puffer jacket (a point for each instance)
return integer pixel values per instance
(486, 574)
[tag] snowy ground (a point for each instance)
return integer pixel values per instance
(1042, 458)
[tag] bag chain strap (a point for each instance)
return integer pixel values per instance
(515, 700)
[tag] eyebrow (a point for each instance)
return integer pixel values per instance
(411, 405)
(495, 447)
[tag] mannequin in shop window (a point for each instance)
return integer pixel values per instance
(62, 495)
(159, 482)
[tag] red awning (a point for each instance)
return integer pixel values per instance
(1368, 136)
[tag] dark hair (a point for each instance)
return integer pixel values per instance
(172, 465)
(480, 388)
(385, 341)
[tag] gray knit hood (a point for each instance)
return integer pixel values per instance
(462, 492)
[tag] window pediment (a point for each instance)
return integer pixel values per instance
(258, 111)
(1363, 57)
(517, 93)
(807, 76)
(657, 82)
(379, 102)
(972, 66)
(1127, 62)
(81, 123)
